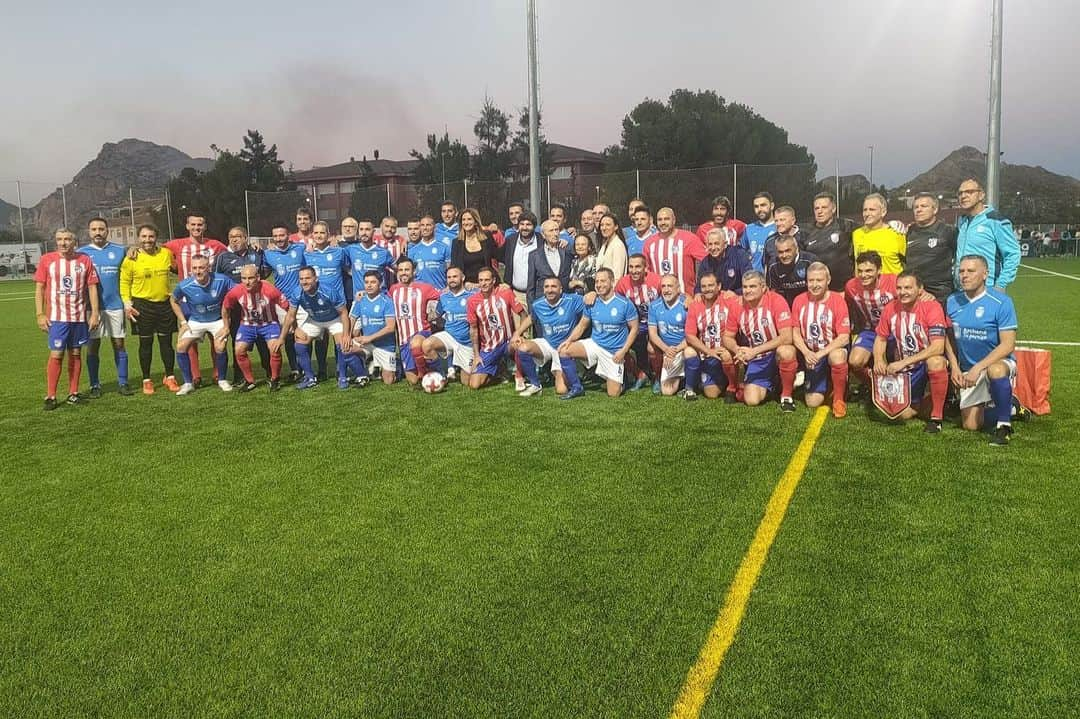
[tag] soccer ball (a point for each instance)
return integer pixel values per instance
(433, 382)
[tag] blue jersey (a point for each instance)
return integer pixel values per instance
(452, 308)
(364, 259)
(753, 241)
(320, 306)
(107, 261)
(977, 323)
(373, 314)
(670, 322)
(446, 234)
(636, 245)
(204, 301)
(229, 264)
(330, 264)
(286, 264)
(610, 321)
(558, 320)
(431, 261)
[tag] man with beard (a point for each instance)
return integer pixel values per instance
(706, 356)
(667, 336)
(558, 314)
(106, 257)
(285, 258)
(758, 232)
(614, 323)
(641, 287)
(303, 227)
(453, 340)
(365, 255)
(672, 251)
(640, 230)
(723, 219)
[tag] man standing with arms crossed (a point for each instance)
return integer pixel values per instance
(107, 258)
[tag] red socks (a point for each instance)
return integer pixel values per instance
(788, 368)
(74, 371)
(52, 375)
(730, 374)
(275, 365)
(939, 388)
(193, 355)
(245, 366)
(421, 361)
(839, 374)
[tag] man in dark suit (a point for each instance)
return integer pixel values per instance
(550, 259)
(516, 254)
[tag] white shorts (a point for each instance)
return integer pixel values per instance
(314, 330)
(673, 369)
(197, 330)
(604, 361)
(111, 325)
(548, 354)
(980, 393)
(383, 359)
(463, 354)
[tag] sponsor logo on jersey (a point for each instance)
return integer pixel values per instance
(980, 311)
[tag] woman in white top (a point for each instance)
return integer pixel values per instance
(612, 252)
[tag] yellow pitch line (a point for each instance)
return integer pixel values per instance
(700, 678)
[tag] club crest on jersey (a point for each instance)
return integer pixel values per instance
(931, 243)
(800, 272)
(678, 316)
(112, 255)
(835, 238)
(731, 273)
(980, 311)
(614, 312)
(665, 267)
(405, 311)
(560, 312)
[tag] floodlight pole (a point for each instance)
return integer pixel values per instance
(993, 144)
(22, 228)
(63, 199)
(534, 113)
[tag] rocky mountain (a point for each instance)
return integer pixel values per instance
(104, 182)
(8, 214)
(849, 184)
(946, 176)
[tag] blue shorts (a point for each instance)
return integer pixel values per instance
(68, 335)
(408, 364)
(489, 361)
(249, 333)
(762, 371)
(919, 376)
(816, 379)
(712, 372)
(865, 340)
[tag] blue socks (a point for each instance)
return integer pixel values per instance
(303, 356)
(184, 361)
(221, 362)
(339, 361)
(354, 362)
(1001, 393)
(569, 368)
(528, 368)
(121, 366)
(93, 364)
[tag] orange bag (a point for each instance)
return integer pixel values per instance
(1033, 379)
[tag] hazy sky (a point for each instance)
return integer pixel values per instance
(329, 79)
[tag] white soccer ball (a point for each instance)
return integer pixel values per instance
(433, 382)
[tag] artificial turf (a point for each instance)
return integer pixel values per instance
(381, 552)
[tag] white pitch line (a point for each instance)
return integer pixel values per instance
(1050, 272)
(1056, 344)
(12, 299)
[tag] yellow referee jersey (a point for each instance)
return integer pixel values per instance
(146, 277)
(887, 242)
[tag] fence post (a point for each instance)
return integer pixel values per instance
(735, 188)
(388, 210)
(465, 184)
(247, 213)
(22, 229)
(637, 184)
(315, 200)
(168, 211)
(131, 205)
(838, 185)
(549, 194)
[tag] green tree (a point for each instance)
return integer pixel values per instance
(444, 160)
(492, 130)
(361, 203)
(261, 163)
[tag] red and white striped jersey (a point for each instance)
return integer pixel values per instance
(913, 329)
(707, 322)
(762, 323)
(411, 303)
(492, 317)
(675, 255)
(184, 248)
(308, 239)
(821, 321)
(870, 303)
(256, 307)
(66, 280)
(395, 245)
(641, 294)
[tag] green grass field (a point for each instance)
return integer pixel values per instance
(384, 553)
